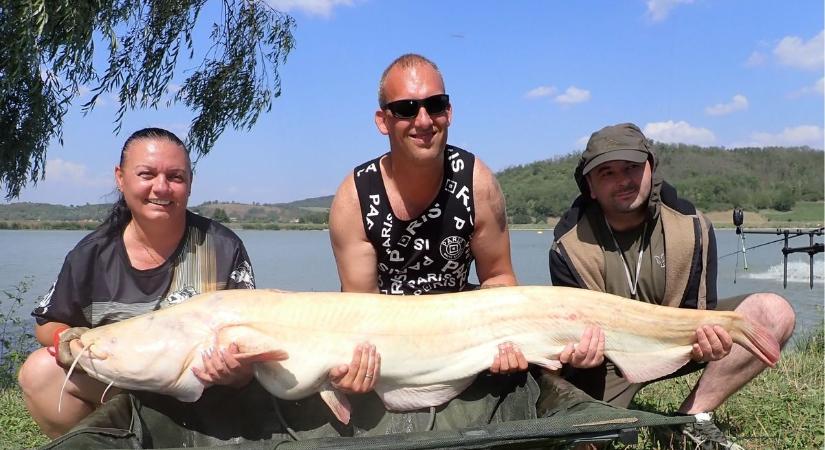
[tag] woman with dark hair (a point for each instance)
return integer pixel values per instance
(150, 252)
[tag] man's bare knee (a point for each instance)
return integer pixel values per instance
(771, 311)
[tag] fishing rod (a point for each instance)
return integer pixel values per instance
(812, 249)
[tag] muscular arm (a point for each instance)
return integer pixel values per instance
(491, 239)
(354, 254)
(491, 248)
(356, 261)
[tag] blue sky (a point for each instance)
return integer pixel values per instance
(528, 80)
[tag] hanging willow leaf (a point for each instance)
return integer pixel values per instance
(47, 55)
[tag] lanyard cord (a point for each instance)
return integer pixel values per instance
(634, 283)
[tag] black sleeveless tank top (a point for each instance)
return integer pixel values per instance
(431, 253)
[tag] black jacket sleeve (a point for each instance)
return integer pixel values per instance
(560, 272)
(710, 279)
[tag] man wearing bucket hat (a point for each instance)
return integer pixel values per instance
(629, 234)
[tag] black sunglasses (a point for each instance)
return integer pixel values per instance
(408, 108)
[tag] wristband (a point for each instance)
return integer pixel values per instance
(56, 340)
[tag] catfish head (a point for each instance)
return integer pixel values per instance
(157, 351)
(148, 353)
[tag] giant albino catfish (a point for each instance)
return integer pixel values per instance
(431, 347)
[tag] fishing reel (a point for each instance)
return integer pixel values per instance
(738, 219)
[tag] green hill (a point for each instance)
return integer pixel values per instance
(262, 213)
(314, 202)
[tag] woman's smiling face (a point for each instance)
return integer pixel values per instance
(156, 179)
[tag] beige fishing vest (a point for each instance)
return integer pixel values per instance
(680, 233)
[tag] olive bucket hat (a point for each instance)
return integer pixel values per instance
(622, 142)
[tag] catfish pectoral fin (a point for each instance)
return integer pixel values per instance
(338, 403)
(638, 367)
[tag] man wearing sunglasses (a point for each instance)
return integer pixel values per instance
(413, 220)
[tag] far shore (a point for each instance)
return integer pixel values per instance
(803, 216)
(766, 225)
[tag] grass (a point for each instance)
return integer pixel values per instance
(803, 215)
(780, 409)
(802, 212)
(17, 429)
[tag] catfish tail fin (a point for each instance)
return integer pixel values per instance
(758, 341)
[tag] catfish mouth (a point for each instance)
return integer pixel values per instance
(95, 353)
(68, 345)
(76, 348)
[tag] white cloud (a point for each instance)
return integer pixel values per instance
(755, 59)
(67, 172)
(73, 183)
(738, 103)
(541, 91)
(679, 132)
(658, 10)
(581, 143)
(322, 8)
(792, 51)
(573, 95)
(818, 88)
(810, 135)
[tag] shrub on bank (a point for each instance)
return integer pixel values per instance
(16, 338)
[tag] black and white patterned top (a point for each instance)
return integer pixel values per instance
(430, 253)
(97, 284)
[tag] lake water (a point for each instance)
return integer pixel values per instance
(302, 260)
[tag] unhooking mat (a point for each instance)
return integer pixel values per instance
(496, 411)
